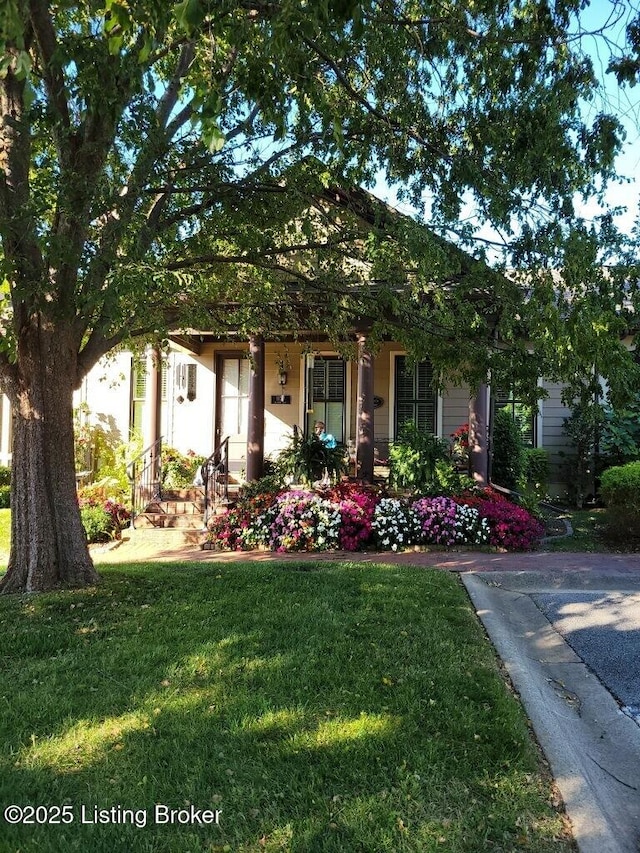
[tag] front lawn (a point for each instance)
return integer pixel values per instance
(5, 535)
(589, 533)
(319, 707)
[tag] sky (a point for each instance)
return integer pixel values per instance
(623, 101)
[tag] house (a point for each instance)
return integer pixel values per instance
(209, 390)
(252, 394)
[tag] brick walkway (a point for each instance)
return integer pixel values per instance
(166, 548)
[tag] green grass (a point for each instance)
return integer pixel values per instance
(337, 708)
(588, 533)
(5, 532)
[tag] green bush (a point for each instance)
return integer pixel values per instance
(418, 460)
(579, 467)
(270, 484)
(620, 490)
(179, 469)
(536, 471)
(97, 523)
(620, 434)
(508, 451)
(5, 487)
(306, 458)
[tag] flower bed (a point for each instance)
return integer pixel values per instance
(353, 517)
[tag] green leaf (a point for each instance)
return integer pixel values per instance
(115, 44)
(189, 14)
(212, 136)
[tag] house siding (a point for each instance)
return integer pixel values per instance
(551, 436)
(189, 425)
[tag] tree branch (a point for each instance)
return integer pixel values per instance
(47, 42)
(356, 96)
(170, 97)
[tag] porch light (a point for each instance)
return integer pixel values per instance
(282, 377)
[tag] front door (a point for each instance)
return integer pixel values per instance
(232, 408)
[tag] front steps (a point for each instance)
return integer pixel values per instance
(178, 508)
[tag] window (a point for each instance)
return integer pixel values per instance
(234, 395)
(327, 380)
(139, 390)
(415, 397)
(522, 413)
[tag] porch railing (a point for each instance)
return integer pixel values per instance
(215, 477)
(145, 475)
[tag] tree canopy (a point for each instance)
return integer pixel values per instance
(163, 162)
(157, 156)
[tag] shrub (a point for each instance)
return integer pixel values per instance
(474, 497)
(444, 522)
(226, 530)
(356, 505)
(536, 471)
(579, 467)
(107, 488)
(460, 447)
(620, 490)
(349, 516)
(234, 530)
(508, 451)
(5, 487)
(414, 458)
(394, 525)
(298, 521)
(179, 469)
(269, 485)
(97, 523)
(620, 433)
(103, 520)
(118, 513)
(307, 459)
(511, 526)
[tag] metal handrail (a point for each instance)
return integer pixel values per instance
(145, 475)
(214, 473)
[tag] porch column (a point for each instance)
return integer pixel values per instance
(154, 408)
(255, 427)
(364, 438)
(479, 436)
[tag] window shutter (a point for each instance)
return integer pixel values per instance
(335, 381)
(415, 398)
(140, 384)
(191, 381)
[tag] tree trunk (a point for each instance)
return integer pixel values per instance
(48, 543)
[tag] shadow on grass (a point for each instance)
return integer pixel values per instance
(349, 708)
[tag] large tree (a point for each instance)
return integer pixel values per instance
(161, 162)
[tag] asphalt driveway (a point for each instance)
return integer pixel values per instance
(604, 629)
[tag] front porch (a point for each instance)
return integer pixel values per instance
(261, 390)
